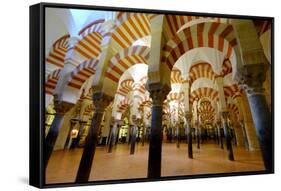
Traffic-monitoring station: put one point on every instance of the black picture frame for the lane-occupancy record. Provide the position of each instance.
(37, 93)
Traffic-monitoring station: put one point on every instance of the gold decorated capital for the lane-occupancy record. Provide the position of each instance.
(61, 107)
(158, 93)
(101, 101)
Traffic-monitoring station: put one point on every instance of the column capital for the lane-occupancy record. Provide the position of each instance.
(188, 115)
(101, 101)
(252, 78)
(158, 93)
(60, 106)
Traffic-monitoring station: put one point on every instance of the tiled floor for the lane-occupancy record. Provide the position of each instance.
(119, 164)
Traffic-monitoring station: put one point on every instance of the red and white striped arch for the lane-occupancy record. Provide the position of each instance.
(124, 105)
(206, 106)
(81, 73)
(125, 59)
(226, 67)
(125, 87)
(90, 45)
(57, 53)
(232, 91)
(139, 88)
(175, 22)
(201, 70)
(142, 88)
(133, 28)
(124, 16)
(199, 93)
(148, 115)
(145, 101)
(210, 34)
(175, 96)
(176, 77)
(231, 107)
(52, 81)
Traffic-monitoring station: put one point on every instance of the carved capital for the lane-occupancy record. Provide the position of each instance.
(101, 101)
(158, 93)
(252, 78)
(60, 106)
(188, 116)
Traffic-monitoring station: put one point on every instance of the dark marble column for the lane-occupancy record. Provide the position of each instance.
(188, 117)
(217, 135)
(254, 76)
(61, 108)
(198, 134)
(227, 135)
(101, 101)
(143, 135)
(117, 135)
(113, 135)
(133, 139)
(158, 93)
(220, 134)
(178, 135)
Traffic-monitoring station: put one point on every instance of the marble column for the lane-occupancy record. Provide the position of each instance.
(133, 139)
(224, 116)
(61, 107)
(178, 135)
(227, 135)
(254, 76)
(247, 123)
(113, 135)
(143, 135)
(198, 134)
(158, 93)
(188, 117)
(220, 132)
(101, 101)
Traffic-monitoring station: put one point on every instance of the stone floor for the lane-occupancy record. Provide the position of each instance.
(119, 164)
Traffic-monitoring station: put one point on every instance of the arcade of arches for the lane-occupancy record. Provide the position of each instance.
(133, 95)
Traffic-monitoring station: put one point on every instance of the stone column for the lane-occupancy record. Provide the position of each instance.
(197, 124)
(237, 130)
(61, 107)
(220, 133)
(113, 135)
(224, 116)
(247, 124)
(188, 117)
(253, 77)
(227, 135)
(101, 101)
(133, 139)
(143, 134)
(178, 134)
(158, 93)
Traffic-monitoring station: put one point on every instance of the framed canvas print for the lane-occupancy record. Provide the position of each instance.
(124, 95)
